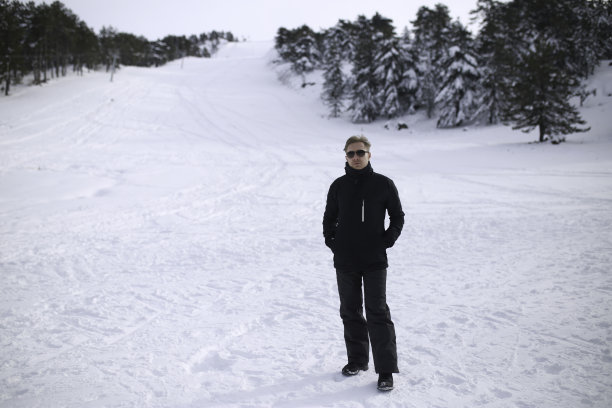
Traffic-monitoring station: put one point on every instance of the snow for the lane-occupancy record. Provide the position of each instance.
(162, 247)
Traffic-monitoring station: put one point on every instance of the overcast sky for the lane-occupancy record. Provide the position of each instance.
(253, 20)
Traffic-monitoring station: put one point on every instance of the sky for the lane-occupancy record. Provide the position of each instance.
(256, 20)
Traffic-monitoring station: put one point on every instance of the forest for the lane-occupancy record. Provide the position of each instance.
(46, 40)
(526, 67)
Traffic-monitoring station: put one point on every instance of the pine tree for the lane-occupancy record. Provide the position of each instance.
(542, 98)
(334, 85)
(86, 48)
(494, 58)
(457, 96)
(409, 84)
(540, 78)
(431, 31)
(299, 47)
(306, 52)
(389, 75)
(364, 105)
(587, 30)
(109, 46)
(10, 41)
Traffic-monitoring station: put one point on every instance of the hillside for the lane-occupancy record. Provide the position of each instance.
(162, 247)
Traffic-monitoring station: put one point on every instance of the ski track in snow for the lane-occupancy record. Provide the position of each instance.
(161, 247)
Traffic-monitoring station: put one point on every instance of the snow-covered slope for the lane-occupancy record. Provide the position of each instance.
(161, 247)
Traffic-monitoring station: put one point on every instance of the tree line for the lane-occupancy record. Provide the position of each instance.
(46, 40)
(523, 68)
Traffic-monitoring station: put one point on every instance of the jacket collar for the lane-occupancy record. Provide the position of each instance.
(366, 171)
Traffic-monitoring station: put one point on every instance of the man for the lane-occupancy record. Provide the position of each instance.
(354, 229)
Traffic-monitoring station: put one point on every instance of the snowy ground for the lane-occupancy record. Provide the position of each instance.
(161, 247)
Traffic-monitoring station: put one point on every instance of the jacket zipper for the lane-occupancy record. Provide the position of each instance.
(363, 210)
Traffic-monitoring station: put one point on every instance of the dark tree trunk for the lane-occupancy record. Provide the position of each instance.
(8, 78)
(542, 127)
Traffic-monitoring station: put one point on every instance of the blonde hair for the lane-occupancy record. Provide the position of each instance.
(358, 139)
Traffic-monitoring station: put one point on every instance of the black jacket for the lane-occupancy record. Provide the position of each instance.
(354, 219)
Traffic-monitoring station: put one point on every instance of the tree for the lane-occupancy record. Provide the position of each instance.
(61, 27)
(540, 75)
(365, 87)
(10, 40)
(36, 51)
(86, 48)
(306, 52)
(494, 57)
(535, 54)
(527, 62)
(334, 86)
(541, 98)
(457, 98)
(389, 75)
(364, 105)
(109, 47)
(431, 43)
(299, 47)
(132, 50)
(409, 84)
(586, 32)
(45, 39)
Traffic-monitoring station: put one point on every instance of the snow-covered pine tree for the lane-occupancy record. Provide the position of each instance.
(299, 47)
(456, 99)
(431, 43)
(283, 43)
(367, 35)
(541, 98)
(306, 53)
(602, 13)
(334, 86)
(586, 31)
(389, 75)
(541, 77)
(409, 84)
(364, 105)
(494, 57)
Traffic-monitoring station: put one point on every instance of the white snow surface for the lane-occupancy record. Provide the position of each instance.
(162, 247)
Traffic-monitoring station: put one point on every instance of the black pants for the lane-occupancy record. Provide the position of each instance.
(376, 326)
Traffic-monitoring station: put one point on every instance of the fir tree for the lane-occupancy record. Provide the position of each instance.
(540, 77)
(10, 41)
(588, 29)
(492, 48)
(457, 96)
(365, 86)
(409, 84)
(542, 98)
(299, 47)
(335, 83)
(431, 32)
(364, 105)
(306, 52)
(389, 75)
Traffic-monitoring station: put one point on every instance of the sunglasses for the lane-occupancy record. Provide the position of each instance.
(360, 153)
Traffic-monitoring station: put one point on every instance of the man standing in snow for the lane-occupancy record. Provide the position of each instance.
(354, 229)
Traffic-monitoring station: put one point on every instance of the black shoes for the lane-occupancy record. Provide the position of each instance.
(385, 382)
(354, 369)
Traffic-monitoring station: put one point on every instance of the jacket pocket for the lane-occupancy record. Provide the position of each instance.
(388, 240)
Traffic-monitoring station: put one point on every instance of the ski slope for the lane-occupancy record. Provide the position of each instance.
(161, 247)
